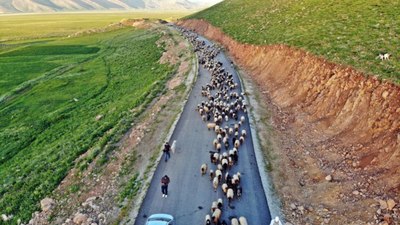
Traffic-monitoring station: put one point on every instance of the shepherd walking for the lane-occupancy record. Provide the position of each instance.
(167, 149)
(164, 186)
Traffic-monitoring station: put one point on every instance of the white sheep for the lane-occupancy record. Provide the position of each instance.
(224, 163)
(230, 131)
(203, 169)
(243, 220)
(244, 133)
(211, 126)
(219, 137)
(230, 195)
(216, 129)
(216, 216)
(219, 146)
(215, 183)
(224, 187)
(220, 203)
(237, 144)
(234, 221)
(218, 174)
(207, 220)
(242, 119)
(219, 166)
(215, 142)
(241, 139)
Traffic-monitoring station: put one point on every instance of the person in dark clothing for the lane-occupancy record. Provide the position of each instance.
(166, 151)
(164, 186)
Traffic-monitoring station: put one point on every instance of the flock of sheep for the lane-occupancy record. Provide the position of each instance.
(223, 105)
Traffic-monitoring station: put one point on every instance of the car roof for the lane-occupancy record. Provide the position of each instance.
(161, 215)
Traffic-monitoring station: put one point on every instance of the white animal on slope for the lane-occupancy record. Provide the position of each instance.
(242, 119)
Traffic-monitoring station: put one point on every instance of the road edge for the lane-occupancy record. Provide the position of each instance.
(274, 203)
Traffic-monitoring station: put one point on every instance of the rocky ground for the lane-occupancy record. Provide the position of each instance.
(313, 189)
(93, 196)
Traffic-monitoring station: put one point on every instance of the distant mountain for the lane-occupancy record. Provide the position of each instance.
(43, 6)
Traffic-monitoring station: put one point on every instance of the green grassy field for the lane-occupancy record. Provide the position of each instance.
(350, 32)
(26, 26)
(50, 94)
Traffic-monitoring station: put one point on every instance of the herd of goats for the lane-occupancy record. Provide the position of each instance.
(223, 105)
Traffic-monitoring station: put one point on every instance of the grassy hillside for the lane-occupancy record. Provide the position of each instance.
(51, 93)
(14, 27)
(351, 32)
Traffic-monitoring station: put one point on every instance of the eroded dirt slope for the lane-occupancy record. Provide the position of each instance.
(338, 133)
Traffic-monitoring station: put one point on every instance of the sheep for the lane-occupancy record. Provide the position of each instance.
(236, 127)
(236, 134)
(215, 183)
(215, 158)
(219, 166)
(230, 131)
(224, 187)
(211, 126)
(214, 206)
(234, 221)
(243, 220)
(216, 215)
(219, 137)
(203, 169)
(226, 118)
(216, 129)
(237, 144)
(242, 119)
(204, 118)
(220, 203)
(230, 195)
(215, 142)
(212, 174)
(244, 133)
(218, 175)
(219, 146)
(241, 139)
(207, 220)
(224, 163)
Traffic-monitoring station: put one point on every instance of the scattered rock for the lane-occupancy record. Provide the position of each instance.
(356, 192)
(80, 218)
(383, 204)
(328, 178)
(391, 204)
(47, 204)
(293, 206)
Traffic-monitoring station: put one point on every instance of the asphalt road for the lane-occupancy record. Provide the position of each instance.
(189, 194)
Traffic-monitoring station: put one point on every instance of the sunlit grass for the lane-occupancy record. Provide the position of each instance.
(350, 32)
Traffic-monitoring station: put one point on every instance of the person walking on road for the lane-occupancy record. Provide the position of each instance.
(164, 186)
(167, 149)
